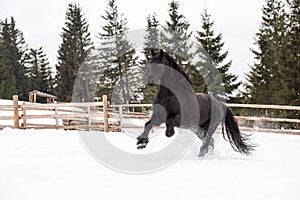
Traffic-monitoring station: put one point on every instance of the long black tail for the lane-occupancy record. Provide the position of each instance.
(239, 141)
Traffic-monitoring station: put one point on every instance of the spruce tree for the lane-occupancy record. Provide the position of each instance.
(13, 56)
(47, 84)
(175, 37)
(39, 71)
(75, 47)
(7, 77)
(151, 41)
(86, 80)
(212, 63)
(291, 74)
(118, 63)
(265, 77)
(152, 36)
(34, 75)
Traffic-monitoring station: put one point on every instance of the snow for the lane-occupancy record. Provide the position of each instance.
(53, 164)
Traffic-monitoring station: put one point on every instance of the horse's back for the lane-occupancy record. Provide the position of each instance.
(208, 100)
(203, 98)
(204, 102)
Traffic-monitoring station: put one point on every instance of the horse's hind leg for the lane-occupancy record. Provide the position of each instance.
(207, 141)
(211, 144)
(208, 144)
(205, 134)
(199, 131)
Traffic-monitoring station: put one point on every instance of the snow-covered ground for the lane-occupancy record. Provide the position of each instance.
(51, 164)
(54, 164)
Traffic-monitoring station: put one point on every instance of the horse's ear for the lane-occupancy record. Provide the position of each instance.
(152, 53)
(161, 53)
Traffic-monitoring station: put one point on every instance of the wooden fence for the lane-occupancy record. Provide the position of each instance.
(80, 116)
(101, 115)
(134, 114)
(269, 119)
(7, 117)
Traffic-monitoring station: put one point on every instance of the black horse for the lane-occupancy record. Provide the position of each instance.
(177, 105)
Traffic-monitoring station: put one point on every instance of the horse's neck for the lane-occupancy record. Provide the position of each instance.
(164, 91)
(175, 82)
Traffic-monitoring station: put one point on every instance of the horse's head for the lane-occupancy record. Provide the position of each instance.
(157, 67)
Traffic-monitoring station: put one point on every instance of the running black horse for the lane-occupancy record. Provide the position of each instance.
(177, 105)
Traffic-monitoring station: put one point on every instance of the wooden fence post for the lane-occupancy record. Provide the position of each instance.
(89, 123)
(105, 113)
(16, 111)
(56, 114)
(34, 98)
(24, 116)
(121, 116)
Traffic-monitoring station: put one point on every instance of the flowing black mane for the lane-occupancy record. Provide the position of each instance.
(175, 66)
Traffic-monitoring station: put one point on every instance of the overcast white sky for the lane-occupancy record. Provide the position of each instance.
(42, 21)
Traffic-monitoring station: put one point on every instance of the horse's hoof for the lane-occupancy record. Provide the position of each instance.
(203, 152)
(170, 133)
(206, 152)
(201, 155)
(142, 142)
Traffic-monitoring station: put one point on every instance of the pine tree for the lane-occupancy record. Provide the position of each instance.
(291, 74)
(39, 71)
(13, 55)
(47, 84)
(212, 63)
(75, 47)
(34, 75)
(175, 37)
(152, 36)
(266, 78)
(7, 77)
(152, 41)
(118, 63)
(86, 80)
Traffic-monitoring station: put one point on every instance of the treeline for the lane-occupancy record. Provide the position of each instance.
(21, 68)
(85, 70)
(275, 76)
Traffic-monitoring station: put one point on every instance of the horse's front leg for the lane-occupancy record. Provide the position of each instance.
(170, 123)
(143, 139)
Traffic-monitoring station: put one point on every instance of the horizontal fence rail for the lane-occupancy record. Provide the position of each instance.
(276, 107)
(232, 105)
(80, 116)
(75, 105)
(100, 115)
